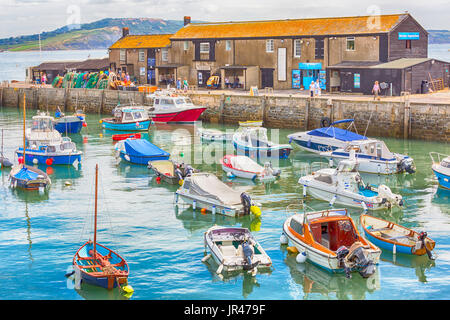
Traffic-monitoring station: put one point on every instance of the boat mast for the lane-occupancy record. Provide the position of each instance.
(24, 117)
(95, 219)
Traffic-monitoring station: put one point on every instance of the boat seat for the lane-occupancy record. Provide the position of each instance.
(379, 229)
(228, 251)
(395, 238)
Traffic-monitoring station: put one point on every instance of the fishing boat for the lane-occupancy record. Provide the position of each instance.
(245, 167)
(235, 249)
(253, 141)
(376, 155)
(326, 138)
(98, 265)
(441, 168)
(250, 123)
(205, 191)
(69, 124)
(4, 162)
(139, 151)
(45, 145)
(128, 118)
(170, 171)
(330, 240)
(118, 137)
(171, 107)
(394, 237)
(214, 135)
(26, 177)
(345, 186)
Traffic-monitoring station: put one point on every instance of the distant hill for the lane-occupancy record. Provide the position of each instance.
(438, 36)
(103, 33)
(96, 35)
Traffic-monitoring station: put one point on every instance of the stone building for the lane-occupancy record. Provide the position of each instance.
(285, 54)
(143, 57)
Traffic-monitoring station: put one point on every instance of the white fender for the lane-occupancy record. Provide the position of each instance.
(284, 239)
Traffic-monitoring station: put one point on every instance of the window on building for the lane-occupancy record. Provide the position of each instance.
(228, 45)
(297, 48)
(165, 54)
(350, 43)
(269, 45)
(186, 45)
(123, 54)
(408, 44)
(204, 47)
(141, 55)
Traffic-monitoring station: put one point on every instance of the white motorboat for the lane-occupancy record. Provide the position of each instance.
(235, 249)
(441, 168)
(245, 167)
(214, 135)
(330, 239)
(326, 138)
(254, 141)
(344, 185)
(205, 191)
(373, 156)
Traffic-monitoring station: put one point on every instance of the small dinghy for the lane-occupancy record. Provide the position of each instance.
(441, 168)
(214, 135)
(69, 124)
(205, 191)
(345, 186)
(118, 137)
(391, 236)
(170, 171)
(249, 123)
(98, 265)
(235, 249)
(245, 167)
(330, 239)
(29, 178)
(140, 151)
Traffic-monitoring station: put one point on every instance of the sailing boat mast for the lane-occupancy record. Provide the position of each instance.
(95, 219)
(24, 117)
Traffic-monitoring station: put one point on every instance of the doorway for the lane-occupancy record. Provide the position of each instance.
(267, 77)
(202, 77)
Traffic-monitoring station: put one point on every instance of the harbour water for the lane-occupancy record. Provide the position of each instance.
(163, 244)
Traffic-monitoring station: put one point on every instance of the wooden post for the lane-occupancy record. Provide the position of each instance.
(406, 117)
(307, 105)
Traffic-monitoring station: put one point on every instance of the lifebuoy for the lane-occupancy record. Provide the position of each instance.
(325, 122)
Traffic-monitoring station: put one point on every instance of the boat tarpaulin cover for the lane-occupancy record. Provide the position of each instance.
(246, 164)
(26, 174)
(208, 185)
(143, 148)
(338, 133)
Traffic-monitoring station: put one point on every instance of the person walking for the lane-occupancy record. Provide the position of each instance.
(317, 90)
(311, 89)
(179, 84)
(376, 91)
(185, 85)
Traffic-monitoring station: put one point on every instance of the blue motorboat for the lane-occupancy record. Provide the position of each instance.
(44, 145)
(326, 138)
(140, 151)
(69, 124)
(441, 168)
(129, 118)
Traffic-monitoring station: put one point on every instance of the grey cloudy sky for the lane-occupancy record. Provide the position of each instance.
(20, 17)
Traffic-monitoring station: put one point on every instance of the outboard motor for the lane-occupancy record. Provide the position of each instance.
(365, 266)
(422, 237)
(188, 170)
(248, 255)
(246, 202)
(178, 173)
(406, 165)
(341, 253)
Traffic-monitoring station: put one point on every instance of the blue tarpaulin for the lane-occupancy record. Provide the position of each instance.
(338, 133)
(143, 148)
(26, 174)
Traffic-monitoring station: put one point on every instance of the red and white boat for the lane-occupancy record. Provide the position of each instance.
(170, 107)
(245, 167)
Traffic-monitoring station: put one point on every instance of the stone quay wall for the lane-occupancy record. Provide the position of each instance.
(398, 119)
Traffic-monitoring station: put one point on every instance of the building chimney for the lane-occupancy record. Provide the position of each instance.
(187, 20)
(125, 32)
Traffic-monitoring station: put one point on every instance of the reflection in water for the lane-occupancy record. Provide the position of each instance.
(314, 279)
(419, 263)
(91, 292)
(442, 199)
(29, 234)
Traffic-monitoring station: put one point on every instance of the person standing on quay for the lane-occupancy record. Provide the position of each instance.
(376, 90)
(311, 89)
(185, 85)
(317, 90)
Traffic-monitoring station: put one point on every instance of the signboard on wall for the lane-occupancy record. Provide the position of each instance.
(281, 64)
(357, 80)
(408, 36)
(296, 79)
(142, 71)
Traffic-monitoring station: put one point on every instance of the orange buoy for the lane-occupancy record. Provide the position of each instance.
(203, 211)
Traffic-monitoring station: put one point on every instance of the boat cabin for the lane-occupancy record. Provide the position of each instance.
(446, 163)
(345, 175)
(330, 229)
(129, 115)
(171, 102)
(43, 123)
(375, 149)
(255, 137)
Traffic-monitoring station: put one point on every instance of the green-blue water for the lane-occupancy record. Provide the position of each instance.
(39, 235)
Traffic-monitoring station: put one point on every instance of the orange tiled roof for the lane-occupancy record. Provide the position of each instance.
(142, 41)
(286, 28)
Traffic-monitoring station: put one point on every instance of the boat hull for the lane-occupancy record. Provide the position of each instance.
(280, 153)
(183, 116)
(69, 127)
(132, 126)
(240, 173)
(317, 146)
(209, 205)
(57, 159)
(443, 180)
(371, 166)
(142, 160)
